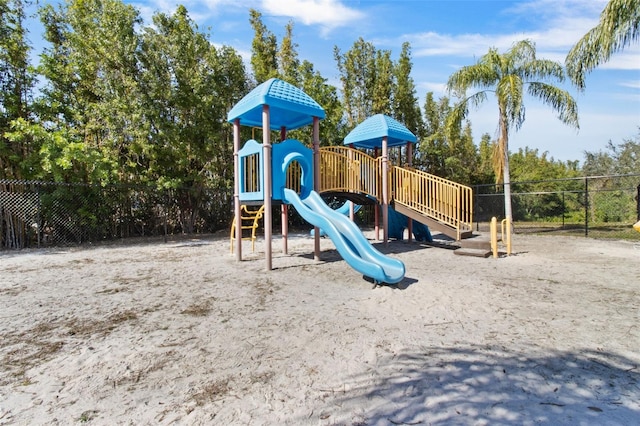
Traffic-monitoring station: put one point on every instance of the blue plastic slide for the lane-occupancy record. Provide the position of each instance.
(344, 209)
(352, 245)
(399, 222)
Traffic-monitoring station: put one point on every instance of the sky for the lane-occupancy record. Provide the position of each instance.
(444, 36)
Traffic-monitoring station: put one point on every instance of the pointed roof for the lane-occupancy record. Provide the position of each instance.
(370, 132)
(289, 106)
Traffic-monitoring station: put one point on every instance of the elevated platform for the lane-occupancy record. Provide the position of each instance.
(360, 198)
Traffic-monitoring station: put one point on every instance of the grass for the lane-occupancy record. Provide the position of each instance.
(614, 231)
(608, 231)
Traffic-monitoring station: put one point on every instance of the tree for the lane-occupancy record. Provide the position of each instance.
(619, 25)
(433, 147)
(506, 76)
(264, 49)
(332, 129)
(188, 87)
(485, 173)
(288, 58)
(613, 198)
(17, 80)
(383, 90)
(536, 175)
(91, 95)
(405, 102)
(449, 153)
(357, 75)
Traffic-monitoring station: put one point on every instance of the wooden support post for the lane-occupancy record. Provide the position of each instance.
(268, 182)
(284, 208)
(236, 187)
(316, 180)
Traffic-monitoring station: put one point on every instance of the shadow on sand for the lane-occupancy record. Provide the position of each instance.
(489, 386)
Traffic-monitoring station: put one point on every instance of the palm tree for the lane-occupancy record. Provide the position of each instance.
(506, 75)
(619, 25)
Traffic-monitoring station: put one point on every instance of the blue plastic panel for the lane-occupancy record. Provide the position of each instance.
(289, 106)
(370, 132)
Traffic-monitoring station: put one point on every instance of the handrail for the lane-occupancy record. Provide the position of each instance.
(345, 169)
(441, 199)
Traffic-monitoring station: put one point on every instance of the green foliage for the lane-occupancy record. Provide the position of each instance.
(406, 108)
(485, 173)
(264, 49)
(623, 160)
(620, 159)
(613, 206)
(357, 69)
(270, 61)
(187, 88)
(288, 58)
(332, 129)
(538, 175)
(506, 75)
(618, 27)
(372, 83)
(91, 97)
(17, 80)
(444, 152)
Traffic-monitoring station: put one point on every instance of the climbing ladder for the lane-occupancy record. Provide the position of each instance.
(249, 222)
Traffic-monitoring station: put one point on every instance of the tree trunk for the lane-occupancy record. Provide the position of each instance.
(507, 188)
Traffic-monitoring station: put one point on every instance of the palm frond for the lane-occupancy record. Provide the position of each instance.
(510, 95)
(542, 69)
(619, 25)
(560, 100)
(480, 75)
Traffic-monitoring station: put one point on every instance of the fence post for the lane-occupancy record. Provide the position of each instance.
(564, 209)
(638, 202)
(166, 213)
(586, 206)
(39, 215)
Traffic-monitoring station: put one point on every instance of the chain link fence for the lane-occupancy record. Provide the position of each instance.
(41, 214)
(596, 206)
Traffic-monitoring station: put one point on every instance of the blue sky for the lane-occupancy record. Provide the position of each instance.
(445, 35)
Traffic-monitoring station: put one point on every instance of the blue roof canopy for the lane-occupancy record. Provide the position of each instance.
(370, 132)
(289, 106)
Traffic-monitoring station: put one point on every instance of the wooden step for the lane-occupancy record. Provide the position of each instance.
(475, 252)
(477, 241)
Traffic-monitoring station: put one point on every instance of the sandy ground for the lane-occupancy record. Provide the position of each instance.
(181, 333)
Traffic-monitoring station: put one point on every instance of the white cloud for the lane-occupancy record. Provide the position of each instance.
(556, 26)
(328, 14)
(634, 84)
(438, 88)
(627, 59)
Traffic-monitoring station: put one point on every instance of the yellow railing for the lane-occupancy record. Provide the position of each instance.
(446, 201)
(251, 167)
(344, 169)
(294, 177)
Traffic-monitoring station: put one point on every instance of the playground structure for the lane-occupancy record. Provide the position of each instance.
(290, 173)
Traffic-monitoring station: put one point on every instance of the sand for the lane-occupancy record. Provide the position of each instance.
(180, 333)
